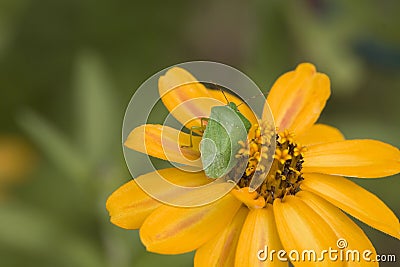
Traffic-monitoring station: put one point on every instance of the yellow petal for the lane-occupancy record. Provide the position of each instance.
(354, 200)
(298, 97)
(165, 143)
(129, 205)
(258, 237)
(220, 251)
(173, 230)
(300, 228)
(185, 98)
(355, 158)
(251, 199)
(319, 133)
(188, 100)
(351, 236)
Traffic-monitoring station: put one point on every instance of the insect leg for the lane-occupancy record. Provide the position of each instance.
(193, 128)
(202, 120)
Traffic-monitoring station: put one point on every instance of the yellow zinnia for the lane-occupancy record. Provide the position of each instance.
(298, 206)
(18, 159)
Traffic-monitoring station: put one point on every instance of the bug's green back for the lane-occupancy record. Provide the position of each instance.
(225, 128)
(245, 121)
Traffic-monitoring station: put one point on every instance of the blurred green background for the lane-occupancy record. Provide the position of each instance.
(68, 69)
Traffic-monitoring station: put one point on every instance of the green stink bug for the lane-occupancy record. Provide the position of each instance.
(225, 128)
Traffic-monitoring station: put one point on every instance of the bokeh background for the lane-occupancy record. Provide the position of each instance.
(68, 69)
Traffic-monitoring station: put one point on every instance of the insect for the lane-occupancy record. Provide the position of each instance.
(225, 127)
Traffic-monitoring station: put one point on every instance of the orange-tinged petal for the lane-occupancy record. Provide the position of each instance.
(258, 237)
(345, 228)
(188, 100)
(243, 107)
(191, 197)
(301, 229)
(319, 133)
(298, 97)
(251, 199)
(177, 86)
(354, 200)
(355, 158)
(185, 98)
(165, 143)
(220, 251)
(174, 230)
(129, 205)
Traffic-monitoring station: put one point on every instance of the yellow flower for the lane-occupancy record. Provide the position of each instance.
(298, 207)
(17, 160)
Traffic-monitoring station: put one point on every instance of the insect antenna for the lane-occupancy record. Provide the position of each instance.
(222, 91)
(216, 86)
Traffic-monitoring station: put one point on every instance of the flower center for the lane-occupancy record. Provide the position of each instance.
(284, 176)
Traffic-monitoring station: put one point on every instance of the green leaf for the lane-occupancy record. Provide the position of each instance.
(96, 107)
(28, 230)
(54, 144)
(151, 259)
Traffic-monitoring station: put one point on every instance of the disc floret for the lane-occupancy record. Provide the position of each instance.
(284, 176)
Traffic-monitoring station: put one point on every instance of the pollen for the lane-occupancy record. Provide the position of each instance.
(284, 176)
